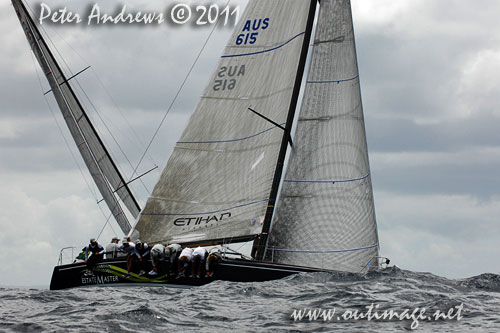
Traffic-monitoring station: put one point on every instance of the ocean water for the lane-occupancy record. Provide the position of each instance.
(299, 303)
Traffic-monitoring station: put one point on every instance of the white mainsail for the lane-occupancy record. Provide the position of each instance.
(325, 216)
(102, 168)
(217, 183)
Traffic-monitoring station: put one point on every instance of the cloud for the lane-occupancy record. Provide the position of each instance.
(33, 229)
(429, 74)
(449, 235)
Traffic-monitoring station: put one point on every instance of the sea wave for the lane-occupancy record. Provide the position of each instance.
(224, 306)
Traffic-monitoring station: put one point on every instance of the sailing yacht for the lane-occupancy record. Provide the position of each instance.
(226, 180)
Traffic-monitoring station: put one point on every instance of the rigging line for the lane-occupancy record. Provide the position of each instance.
(131, 128)
(68, 68)
(91, 189)
(111, 134)
(68, 79)
(103, 86)
(43, 55)
(104, 226)
(39, 80)
(178, 92)
(132, 180)
(231, 140)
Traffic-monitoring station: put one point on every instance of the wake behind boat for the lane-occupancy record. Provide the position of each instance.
(226, 180)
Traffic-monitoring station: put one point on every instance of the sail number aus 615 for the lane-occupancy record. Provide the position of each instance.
(250, 31)
(227, 76)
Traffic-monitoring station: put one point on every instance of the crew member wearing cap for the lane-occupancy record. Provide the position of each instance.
(94, 253)
(132, 254)
(112, 248)
(143, 250)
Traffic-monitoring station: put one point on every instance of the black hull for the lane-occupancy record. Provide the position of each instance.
(113, 273)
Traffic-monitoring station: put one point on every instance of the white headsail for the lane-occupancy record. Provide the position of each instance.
(325, 216)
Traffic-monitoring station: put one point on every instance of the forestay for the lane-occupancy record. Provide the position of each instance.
(95, 155)
(217, 182)
(325, 215)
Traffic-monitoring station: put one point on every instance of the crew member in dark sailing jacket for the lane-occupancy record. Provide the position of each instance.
(143, 250)
(94, 253)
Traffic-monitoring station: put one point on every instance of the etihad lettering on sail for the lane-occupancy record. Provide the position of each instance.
(186, 221)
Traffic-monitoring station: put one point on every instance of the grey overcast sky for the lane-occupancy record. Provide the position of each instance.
(430, 79)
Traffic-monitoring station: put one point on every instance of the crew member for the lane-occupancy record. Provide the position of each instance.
(184, 261)
(94, 253)
(112, 248)
(157, 258)
(172, 253)
(132, 254)
(212, 260)
(198, 259)
(143, 250)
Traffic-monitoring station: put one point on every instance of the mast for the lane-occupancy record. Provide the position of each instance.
(258, 250)
(103, 169)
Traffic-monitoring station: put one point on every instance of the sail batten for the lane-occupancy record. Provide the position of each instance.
(100, 164)
(325, 216)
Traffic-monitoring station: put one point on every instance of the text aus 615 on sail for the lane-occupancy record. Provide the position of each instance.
(227, 75)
